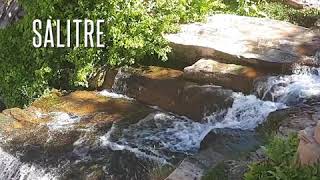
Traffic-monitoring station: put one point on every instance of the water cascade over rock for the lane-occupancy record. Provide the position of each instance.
(290, 89)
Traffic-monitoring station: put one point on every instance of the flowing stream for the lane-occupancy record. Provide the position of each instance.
(12, 168)
(165, 131)
(164, 138)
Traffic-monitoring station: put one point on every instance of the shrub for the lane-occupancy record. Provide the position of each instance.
(133, 30)
(273, 9)
(281, 163)
(280, 11)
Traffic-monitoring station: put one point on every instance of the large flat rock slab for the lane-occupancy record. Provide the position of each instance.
(259, 42)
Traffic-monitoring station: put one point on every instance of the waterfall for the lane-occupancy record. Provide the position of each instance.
(106, 141)
(11, 168)
(292, 89)
(246, 113)
(161, 131)
(162, 136)
(114, 95)
(165, 131)
(62, 121)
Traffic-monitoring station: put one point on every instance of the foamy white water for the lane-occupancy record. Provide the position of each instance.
(107, 142)
(62, 121)
(110, 94)
(167, 131)
(162, 131)
(246, 113)
(291, 89)
(11, 168)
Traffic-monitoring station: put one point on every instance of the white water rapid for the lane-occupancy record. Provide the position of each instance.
(162, 131)
(11, 168)
(160, 136)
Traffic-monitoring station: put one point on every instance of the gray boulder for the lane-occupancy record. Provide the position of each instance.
(258, 42)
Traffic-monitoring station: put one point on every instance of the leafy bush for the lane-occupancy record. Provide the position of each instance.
(281, 163)
(244, 7)
(133, 30)
(133, 33)
(280, 11)
(273, 9)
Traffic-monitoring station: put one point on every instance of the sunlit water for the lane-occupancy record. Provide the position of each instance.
(161, 135)
(62, 121)
(11, 168)
(290, 89)
(114, 95)
(163, 131)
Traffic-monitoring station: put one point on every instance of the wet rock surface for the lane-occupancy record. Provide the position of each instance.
(232, 141)
(235, 169)
(166, 89)
(219, 148)
(193, 168)
(86, 135)
(294, 119)
(58, 136)
(229, 38)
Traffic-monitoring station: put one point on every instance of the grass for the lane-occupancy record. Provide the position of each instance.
(282, 162)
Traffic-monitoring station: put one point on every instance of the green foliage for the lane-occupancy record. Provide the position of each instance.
(249, 7)
(243, 7)
(133, 30)
(281, 163)
(217, 173)
(273, 9)
(277, 10)
(132, 33)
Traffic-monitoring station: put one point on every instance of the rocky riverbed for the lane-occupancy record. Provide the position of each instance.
(153, 122)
